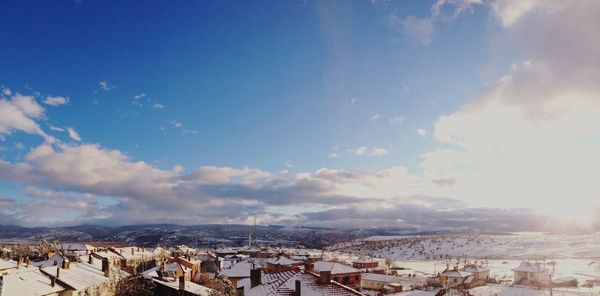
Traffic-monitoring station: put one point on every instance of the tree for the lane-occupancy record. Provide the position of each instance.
(220, 285)
(388, 263)
(21, 251)
(45, 247)
(133, 286)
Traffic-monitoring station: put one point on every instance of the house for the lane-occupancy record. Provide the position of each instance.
(381, 282)
(135, 259)
(531, 274)
(193, 265)
(365, 263)
(341, 273)
(31, 282)
(281, 264)
(292, 282)
(368, 265)
(173, 279)
(240, 271)
(455, 278)
(479, 278)
(93, 279)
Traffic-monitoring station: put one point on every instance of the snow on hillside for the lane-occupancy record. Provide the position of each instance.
(475, 246)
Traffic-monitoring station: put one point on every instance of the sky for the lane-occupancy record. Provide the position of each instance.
(442, 114)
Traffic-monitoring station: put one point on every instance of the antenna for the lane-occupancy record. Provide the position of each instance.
(252, 230)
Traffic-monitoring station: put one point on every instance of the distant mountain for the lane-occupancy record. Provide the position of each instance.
(210, 235)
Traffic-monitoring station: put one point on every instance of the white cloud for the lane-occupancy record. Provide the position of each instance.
(73, 134)
(375, 117)
(21, 113)
(157, 106)
(139, 96)
(354, 100)
(414, 27)
(105, 86)
(532, 138)
(369, 151)
(56, 129)
(333, 155)
(397, 120)
(422, 132)
(6, 91)
(183, 129)
(55, 101)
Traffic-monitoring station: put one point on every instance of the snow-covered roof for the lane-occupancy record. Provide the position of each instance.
(240, 269)
(474, 269)
(134, 253)
(31, 282)
(75, 246)
(380, 278)
(109, 255)
(456, 273)
(284, 283)
(190, 287)
(281, 261)
(365, 260)
(4, 264)
(83, 275)
(530, 267)
(334, 267)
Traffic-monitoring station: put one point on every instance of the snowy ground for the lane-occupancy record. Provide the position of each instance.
(567, 255)
(517, 246)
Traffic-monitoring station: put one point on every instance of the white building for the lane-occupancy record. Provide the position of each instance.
(531, 274)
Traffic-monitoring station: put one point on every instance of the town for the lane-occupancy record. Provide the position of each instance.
(106, 269)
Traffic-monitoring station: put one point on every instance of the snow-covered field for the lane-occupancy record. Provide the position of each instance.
(517, 246)
(567, 255)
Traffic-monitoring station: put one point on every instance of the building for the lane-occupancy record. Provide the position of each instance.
(94, 279)
(479, 277)
(135, 259)
(531, 274)
(281, 264)
(455, 278)
(173, 279)
(31, 282)
(240, 271)
(341, 273)
(380, 282)
(292, 283)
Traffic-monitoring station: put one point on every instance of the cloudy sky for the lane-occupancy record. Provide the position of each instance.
(440, 114)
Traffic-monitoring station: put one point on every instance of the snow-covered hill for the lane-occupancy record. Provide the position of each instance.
(476, 246)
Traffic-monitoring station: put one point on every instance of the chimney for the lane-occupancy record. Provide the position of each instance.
(105, 267)
(58, 272)
(90, 259)
(298, 290)
(325, 277)
(255, 277)
(52, 281)
(66, 264)
(182, 282)
(132, 251)
(19, 263)
(27, 262)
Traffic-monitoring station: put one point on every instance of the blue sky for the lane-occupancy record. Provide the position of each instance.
(284, 87)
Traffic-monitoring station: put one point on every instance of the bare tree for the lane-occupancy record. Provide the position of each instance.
(133, 286)
(21, 251)
(220, 285)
